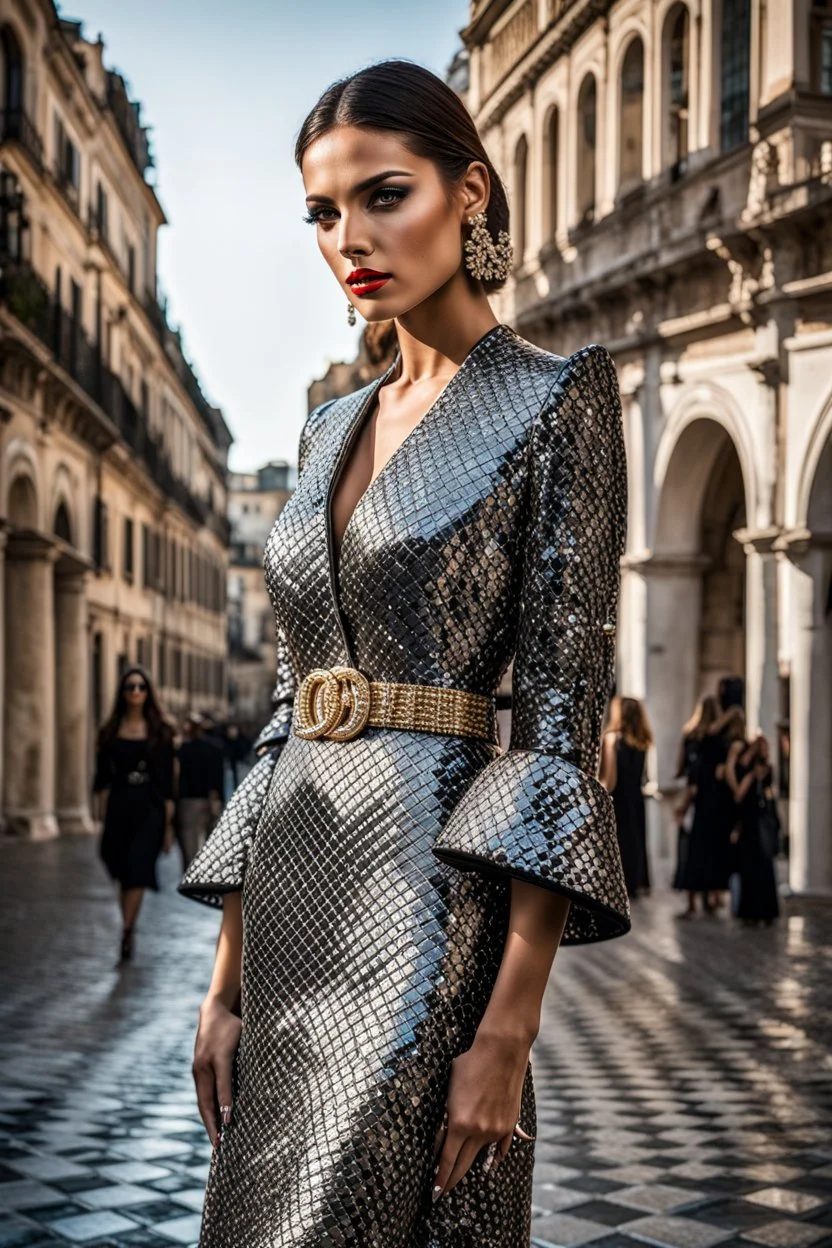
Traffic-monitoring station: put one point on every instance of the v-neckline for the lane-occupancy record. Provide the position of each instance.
(349, 439)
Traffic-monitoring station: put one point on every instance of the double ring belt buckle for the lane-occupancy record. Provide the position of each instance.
(334, 703)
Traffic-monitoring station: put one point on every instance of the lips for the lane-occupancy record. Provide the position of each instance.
(367, 281)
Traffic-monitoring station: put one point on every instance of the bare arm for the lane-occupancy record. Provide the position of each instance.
(219, 1029)
(608, 774)
(487, 1081)
(738, 787)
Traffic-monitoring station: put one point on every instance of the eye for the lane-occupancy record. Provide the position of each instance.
(316, 215)
(389, 196)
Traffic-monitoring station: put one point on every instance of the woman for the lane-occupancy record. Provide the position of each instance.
(708, 863)
(749, 775)
(623, 767)
(690, 751)
(134, 784)
(405, 884)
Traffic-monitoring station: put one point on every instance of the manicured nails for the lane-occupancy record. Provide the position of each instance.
(437, 1192)
(225, 1114)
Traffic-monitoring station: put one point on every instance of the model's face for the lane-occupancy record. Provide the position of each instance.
(135, 690)
(388, 226)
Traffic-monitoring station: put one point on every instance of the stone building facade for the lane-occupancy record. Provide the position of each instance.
(255, 500)
(112, 462)
(669, 166)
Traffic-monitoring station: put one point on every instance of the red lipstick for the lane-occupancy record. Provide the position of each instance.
(367, 281)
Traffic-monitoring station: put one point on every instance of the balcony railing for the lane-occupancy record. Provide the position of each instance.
(17, 127)
(28, 299)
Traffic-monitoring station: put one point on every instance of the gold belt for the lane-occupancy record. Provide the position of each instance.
(340, 702)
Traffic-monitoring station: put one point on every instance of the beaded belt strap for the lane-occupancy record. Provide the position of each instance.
(338, 703)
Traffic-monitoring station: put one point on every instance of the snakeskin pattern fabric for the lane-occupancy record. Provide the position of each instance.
(376, 872)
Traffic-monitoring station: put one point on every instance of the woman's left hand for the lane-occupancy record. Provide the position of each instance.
(483, 1105)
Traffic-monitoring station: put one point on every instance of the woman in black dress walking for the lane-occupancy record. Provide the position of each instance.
(623, 767)
(749, 775)
(134, 784)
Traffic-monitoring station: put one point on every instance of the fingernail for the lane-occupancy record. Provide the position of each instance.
(226, 1115)
(437, 1192)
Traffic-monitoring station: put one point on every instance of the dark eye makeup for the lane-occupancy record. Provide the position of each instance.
(384, 197)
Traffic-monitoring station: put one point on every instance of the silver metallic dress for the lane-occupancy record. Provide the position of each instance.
(376, 872)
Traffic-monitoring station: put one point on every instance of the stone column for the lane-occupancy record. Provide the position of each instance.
(72, 688)
(29, 728)
(761, 667)
(810, 789)
(673, 585)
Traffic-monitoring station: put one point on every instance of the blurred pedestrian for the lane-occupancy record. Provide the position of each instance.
(749, 775)
(707, 865)
(200, 790)
(690, 748)
(623, 769)
(134, 783)
(237, 748)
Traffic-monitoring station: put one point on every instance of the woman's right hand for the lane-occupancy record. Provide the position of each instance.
(217, 1039)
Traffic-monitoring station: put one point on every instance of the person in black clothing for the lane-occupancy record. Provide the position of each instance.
(237, 747)
(749, 775)
(623, 767)
(201, 766)
(134, 779)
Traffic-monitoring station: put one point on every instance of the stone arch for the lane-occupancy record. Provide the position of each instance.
(20, 462)
(520, 198)
(586, 120)
(630, 112)
(551, 171)
(704, 404)
(695, 578)
(676, 65)
(64, 512)
(816, 469)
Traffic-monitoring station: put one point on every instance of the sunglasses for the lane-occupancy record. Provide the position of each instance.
(135, 686)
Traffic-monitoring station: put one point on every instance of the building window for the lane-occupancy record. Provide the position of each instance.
(163, 663)
(676, 62)
(100, 535)
(147, 555)
(67, 160)
(587, 118)
(820, 45)
(521, 199)
(631, 117)
(128, 549)
(736, 48)
(13, 72)
(131, 268)
(102, 212)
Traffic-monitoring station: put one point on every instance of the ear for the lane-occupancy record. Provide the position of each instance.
(474, 189)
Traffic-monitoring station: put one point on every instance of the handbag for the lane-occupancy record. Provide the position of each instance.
(768, 823)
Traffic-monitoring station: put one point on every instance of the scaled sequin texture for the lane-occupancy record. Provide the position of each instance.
(376, 872)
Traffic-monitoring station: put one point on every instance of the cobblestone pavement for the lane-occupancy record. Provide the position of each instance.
(684, 1074)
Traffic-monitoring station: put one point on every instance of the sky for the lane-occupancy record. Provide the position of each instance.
(225, 89)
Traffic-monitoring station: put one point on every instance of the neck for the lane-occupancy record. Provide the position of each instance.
(134, 715)
(436, 336)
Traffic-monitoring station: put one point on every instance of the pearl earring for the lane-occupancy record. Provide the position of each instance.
(485, 259)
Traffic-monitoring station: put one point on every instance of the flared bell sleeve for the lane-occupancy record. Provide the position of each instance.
(537, 811)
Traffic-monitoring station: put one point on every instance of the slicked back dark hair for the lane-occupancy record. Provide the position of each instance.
(429, 117)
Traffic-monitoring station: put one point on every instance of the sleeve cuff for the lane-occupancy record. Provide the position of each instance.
(538, 818)
(277, 729)
(220, 865)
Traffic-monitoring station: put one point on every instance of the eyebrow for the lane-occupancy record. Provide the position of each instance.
(365, 185)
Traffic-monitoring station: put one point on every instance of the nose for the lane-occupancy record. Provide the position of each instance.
(349, 244)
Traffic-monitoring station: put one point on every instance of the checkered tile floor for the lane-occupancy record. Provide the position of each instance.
(684, 1076)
